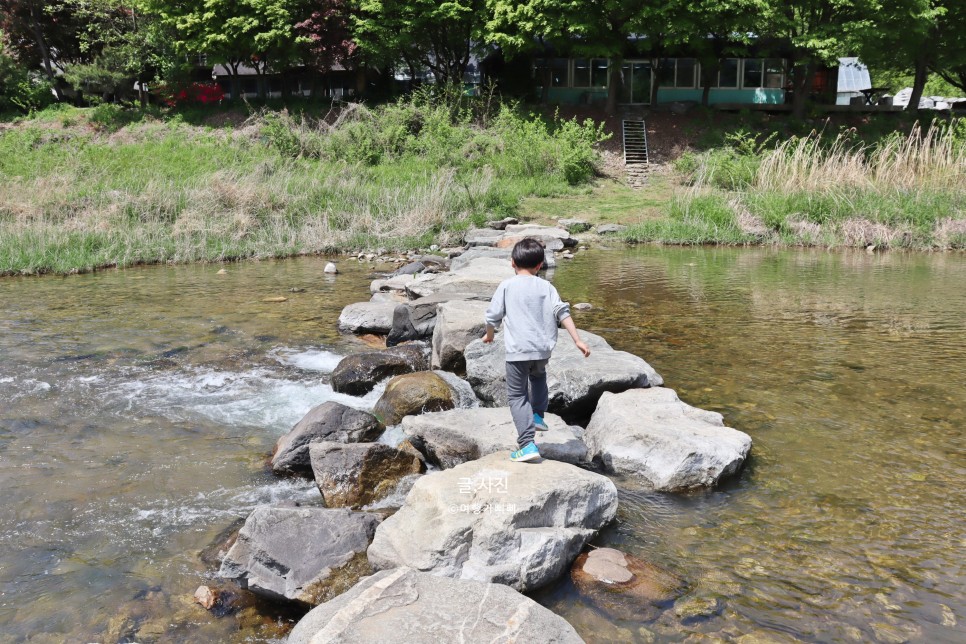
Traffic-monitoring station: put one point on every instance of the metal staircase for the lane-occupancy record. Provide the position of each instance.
(636, 160)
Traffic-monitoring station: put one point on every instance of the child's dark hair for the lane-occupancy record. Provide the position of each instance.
(528, 253)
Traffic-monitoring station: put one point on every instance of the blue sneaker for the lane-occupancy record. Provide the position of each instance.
(528, 453)
(539, 423)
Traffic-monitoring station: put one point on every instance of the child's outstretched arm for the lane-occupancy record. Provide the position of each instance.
(495, 312)
(568, 323)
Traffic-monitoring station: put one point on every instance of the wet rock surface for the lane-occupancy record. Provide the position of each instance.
(448, 438)
(519, 524)
(330, 421)
(359, 373)
(405, 605)
(414, 393)
(651, 435)
(358, 474)
(575, 383)
(367, 317)
(625, 586)
(299, 553)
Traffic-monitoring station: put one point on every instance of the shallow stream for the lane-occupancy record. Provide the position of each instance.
(137, 409)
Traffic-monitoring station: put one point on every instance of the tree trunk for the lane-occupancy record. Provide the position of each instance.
(919, 84)
(615, 85)
(44, 52)
(804, 72)
(708, 72)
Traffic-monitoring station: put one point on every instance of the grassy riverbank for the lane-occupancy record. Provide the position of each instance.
(82, 189)
(902, 191)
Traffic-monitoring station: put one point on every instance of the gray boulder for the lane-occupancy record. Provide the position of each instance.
(519, 524)
(575, 382)
(405, 605)
(303, 554)
(461, 261)
(358, 474)
(500, 224)
(367, 317)
(479, 277)
(553, 237)
(482, 237)
(458, 323)
(359, 373)
(416, 319)
(651, 435)
(410, 269)
(574, 225)
(330, 421)
(610, 229)
(448, 438)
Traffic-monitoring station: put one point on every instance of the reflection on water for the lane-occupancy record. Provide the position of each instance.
(849, 522)
(137, 408)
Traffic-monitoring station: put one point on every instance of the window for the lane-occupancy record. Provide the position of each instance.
(665, 72)
(728, 75)
(774, 72)
(558, 71)
(581, 72)
(752, 76)
(685, 74)
(598, 72)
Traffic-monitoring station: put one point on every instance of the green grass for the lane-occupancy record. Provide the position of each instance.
(82, 189)
(605, 202)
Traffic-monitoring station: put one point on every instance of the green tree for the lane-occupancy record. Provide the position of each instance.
(817, 32)
(259, 33)
(422, 34)
(601, 28)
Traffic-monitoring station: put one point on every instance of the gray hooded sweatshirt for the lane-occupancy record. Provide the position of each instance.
(531, 310)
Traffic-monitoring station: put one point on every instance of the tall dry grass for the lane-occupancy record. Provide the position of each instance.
(934, 159)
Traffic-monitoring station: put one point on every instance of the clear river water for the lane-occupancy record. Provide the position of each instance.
(137, 409)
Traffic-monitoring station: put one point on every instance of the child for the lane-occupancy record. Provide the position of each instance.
(531, 310)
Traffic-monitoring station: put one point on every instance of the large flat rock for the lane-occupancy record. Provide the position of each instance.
(479, 277)
(461, 261)
(651, 435)
(519, 524)
(406, 606)
(299, 553)
(575, 383)
(448, 438)
(367, 317)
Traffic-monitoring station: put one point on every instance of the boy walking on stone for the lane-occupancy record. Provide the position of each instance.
(530, 309)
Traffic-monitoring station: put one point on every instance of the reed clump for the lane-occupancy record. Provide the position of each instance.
(904, 191)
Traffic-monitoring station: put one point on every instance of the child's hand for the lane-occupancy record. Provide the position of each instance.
(584, 349)
(488, 336)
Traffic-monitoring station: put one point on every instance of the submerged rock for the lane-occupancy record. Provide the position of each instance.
(519, 524)
(359, 373)
(448, 438)
(367, 317)
(653, 436)
(624, 586)
(575, 382)
(405, 605)
(330, 421)
(300, 554)
(414, 393)
(330, 268)
(357, 474)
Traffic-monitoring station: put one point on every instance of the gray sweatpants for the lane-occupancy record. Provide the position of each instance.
(526, 392)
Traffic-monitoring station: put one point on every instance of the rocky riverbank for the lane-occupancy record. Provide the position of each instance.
(420, 490)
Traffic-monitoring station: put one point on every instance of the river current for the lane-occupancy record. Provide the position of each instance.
(137, 409)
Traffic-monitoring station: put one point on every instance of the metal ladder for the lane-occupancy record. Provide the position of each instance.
(635, 143)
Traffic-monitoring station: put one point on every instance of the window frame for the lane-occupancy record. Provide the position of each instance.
(694, 74)
(738, 73)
